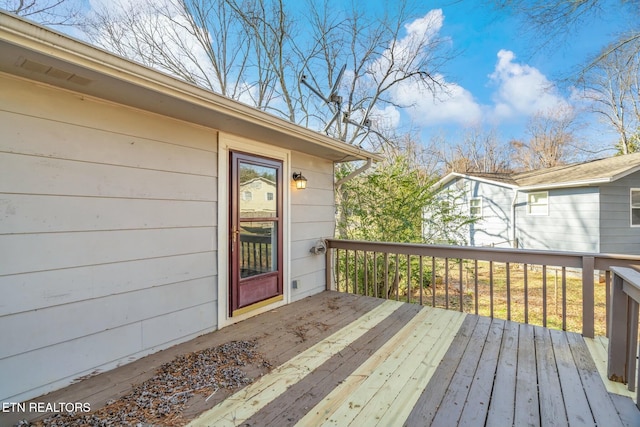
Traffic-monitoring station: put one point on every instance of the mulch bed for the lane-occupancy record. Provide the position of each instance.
(164, 398)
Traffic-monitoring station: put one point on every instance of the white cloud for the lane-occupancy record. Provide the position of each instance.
(522, 90)
(387, 118)
(420, 33)
(450, 104)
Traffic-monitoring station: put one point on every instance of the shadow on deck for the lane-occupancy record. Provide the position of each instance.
(341, 359)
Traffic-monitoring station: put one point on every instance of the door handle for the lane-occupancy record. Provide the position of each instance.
(234, 234)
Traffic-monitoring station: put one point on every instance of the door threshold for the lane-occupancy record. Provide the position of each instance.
(257, 305)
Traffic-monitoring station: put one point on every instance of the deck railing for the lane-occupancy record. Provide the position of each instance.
(623, 341)
(564, 290)
(256, 254)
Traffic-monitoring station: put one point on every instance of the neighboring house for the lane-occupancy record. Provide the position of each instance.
(586, 207)
(258, 195)
(122, 210)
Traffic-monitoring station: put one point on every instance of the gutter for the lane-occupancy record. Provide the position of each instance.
(355, 173)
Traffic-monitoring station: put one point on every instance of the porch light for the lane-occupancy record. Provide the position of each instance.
(301, 181)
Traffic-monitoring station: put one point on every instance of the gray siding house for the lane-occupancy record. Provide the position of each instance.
(587, 207)
(125, 209)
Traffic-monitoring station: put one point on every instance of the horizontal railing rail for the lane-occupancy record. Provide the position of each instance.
(623, 340)
(515, 284)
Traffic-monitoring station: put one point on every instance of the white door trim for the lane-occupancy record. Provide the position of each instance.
(227, 143)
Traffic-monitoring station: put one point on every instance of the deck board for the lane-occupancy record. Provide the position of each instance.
(409, 371)
(527, 409)
(358, 394)
(476, 407)
(426, 367)
(429, 401)
(501, 409)
(552, 410)
(234, 409)
(455, 397)
(575, 400)
(290, 406)
(600, 402)
(345, 360)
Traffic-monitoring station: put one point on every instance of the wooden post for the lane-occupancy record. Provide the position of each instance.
(328, 269)
(588, 300)
(617, 333)
(632, 343)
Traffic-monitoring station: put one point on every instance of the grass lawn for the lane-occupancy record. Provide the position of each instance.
(559, 298)
(554, 295)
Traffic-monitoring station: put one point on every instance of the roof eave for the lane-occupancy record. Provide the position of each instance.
(453, 175)
(572, 184)
(106, 76)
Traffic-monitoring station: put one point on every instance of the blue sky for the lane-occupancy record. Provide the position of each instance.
(498, 65)
(498, 79)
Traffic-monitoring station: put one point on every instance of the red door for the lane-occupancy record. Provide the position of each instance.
(255, 230)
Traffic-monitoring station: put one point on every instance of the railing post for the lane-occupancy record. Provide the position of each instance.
(632, 343)
(588, 302)
(328, 270)
(617, 333)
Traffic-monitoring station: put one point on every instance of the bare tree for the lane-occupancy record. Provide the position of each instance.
(380, 54)
(550, 22)
(174, 36)
(613, 87)
(46, 12)
(551, 141)
(252, 50)
(480, 151)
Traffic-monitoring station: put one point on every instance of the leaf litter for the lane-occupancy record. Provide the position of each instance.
(161, 399)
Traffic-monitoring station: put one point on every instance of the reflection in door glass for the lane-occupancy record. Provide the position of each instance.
(258, 248)
(257, 191)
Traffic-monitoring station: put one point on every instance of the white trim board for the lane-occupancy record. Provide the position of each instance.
(227, 143)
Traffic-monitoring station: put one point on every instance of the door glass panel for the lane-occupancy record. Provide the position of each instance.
(258, 248)
(257, 191)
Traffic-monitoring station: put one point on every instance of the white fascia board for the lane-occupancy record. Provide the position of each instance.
(573, 184)
(453, 175)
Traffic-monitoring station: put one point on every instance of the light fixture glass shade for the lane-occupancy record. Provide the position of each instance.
(301, 181)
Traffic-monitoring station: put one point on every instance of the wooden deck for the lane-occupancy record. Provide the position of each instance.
(343, 360)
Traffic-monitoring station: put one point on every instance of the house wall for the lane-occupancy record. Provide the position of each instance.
(312, 218)
(493, 228)
(107, 235)
(571, 225)
(616, 234)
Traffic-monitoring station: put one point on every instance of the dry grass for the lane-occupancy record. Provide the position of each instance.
(509, 300)
(556, 299)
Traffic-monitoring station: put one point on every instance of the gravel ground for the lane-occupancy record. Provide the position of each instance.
(161, 399)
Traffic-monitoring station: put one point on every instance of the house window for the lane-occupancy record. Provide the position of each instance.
(247, 195)
(635, 207)
(475, 207)
(269, 196)
(538, 203)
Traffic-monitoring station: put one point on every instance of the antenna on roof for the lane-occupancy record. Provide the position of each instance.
(334, 101)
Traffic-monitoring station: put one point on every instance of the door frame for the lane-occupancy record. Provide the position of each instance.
(226, 144)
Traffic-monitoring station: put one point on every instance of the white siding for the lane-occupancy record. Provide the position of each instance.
(107, 235)
(571, 225)
(312, 218)
(493, 228)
